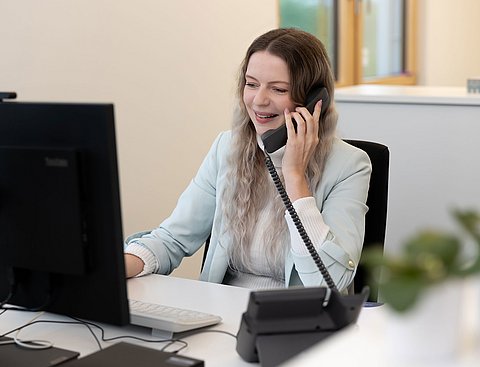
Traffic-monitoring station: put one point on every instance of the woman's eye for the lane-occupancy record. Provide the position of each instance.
(280, 90)
(250, 85)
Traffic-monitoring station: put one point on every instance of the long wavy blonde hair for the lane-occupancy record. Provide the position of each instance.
(250, 188)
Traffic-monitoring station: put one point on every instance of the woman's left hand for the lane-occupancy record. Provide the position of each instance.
(300, 147)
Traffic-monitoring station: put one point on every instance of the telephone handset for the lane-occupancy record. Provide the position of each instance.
(276, 138)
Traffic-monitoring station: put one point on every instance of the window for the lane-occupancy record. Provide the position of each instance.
(316, 17)
(368, 41)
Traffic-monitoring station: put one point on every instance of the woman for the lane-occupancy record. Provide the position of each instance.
(232, 199)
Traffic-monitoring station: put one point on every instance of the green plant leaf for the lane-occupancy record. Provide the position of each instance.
(401, 293)
(470, 221)
(433, 244)
(428, 258)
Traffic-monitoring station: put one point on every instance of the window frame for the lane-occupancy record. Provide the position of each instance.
(349, 38)
(350, 31)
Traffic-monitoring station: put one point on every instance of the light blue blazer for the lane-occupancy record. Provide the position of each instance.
(340, 197)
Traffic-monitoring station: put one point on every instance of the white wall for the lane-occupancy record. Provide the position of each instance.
(169, 67)
(432, 134)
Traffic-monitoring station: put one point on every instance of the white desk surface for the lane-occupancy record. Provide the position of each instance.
(360, 345)
(217, 349)
(367, 345)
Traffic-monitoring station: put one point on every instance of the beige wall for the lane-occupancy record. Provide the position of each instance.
(169, 67)
(449, 42)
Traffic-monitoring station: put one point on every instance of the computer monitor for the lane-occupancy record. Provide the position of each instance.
(60, 220)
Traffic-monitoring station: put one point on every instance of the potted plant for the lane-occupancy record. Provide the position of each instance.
(428, 258)
(423, 285)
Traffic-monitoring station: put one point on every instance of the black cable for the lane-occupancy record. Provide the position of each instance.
(185, 345)
(36, 322)
(298, 224)
(77, 321)
(91, 332)
(103, 338)
(200, 331)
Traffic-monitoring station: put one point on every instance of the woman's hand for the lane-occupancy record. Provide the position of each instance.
(300, 147)
(133, 265)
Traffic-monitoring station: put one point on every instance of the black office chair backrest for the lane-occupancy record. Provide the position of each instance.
(376, 217)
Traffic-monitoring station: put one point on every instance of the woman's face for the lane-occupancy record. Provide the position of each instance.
(267, 91)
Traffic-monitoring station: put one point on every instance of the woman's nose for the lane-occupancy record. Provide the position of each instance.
(261, 97)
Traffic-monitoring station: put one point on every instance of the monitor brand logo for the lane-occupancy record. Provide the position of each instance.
(56, 162)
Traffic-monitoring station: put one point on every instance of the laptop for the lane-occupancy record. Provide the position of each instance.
(131, 355)
(12, 355)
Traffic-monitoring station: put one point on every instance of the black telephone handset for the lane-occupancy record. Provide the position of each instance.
(276, 138)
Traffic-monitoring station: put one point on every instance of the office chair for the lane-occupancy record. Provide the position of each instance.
(376, 217)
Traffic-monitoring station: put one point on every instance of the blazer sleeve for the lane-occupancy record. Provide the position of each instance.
(341, 202)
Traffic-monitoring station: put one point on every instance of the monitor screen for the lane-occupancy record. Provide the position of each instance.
(60, 218)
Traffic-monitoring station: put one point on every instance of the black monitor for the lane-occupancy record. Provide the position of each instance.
(60, 220)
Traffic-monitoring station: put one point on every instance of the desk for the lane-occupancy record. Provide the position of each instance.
(362, 344)
(383, 338)
(215, 348)
(367, 346)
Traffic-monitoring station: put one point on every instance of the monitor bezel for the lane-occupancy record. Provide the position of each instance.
(100, 294)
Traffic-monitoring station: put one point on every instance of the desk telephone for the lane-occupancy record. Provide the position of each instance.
(276, 138)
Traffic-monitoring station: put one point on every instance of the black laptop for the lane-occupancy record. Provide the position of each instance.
(128, 355)
(12, 355)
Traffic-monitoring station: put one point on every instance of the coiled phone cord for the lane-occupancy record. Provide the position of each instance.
(298, 224)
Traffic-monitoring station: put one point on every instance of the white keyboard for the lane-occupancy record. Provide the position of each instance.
(168, 318)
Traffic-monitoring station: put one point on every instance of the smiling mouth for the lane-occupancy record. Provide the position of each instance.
(265, 116)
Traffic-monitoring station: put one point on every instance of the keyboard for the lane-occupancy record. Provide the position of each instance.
(168, 318)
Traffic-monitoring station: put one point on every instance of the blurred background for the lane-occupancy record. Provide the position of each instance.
(170, 68)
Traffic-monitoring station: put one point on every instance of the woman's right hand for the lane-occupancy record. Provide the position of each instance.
(133, 265)
(301, 145)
